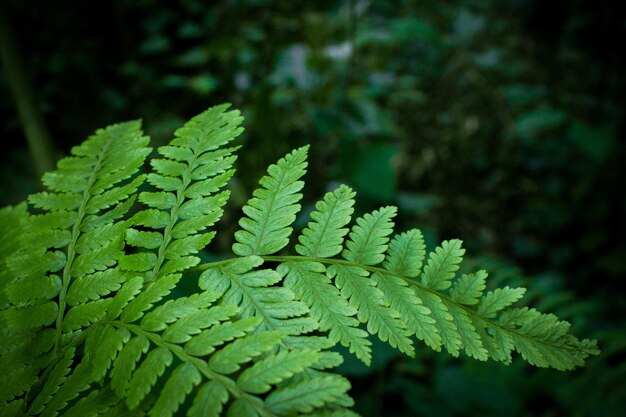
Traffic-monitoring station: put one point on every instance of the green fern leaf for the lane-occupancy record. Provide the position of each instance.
(204, 344)
(274, 369)
(323, 236)
(175, 390)
(369, 237)
(469, 338)
(192, 324)
(334, 314)
(442, 264)
(415, 316)
(95, 286)
(173, 310)
(404, 258)
(361, 292)
(126, 363)
(32, 289)
(253, 293)
(142, 239)
(209, 401)
(93, 405)
(273, 208)
(153, 293)
(307, 395)
(30, 317)
(77, 382)
(468, 289)
(146, 375)
(228, 359)
(91, 328)
(406, 254)
(129, 290)
(204, 170)
(103, 347)
(83, 315)
(53, 383)
(498, 299)
(446, 329)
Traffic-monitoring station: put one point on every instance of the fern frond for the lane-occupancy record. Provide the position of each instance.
(366, 246)
(92, 324)
(272, 370)
(500, 298)
(54, 276)
(369, 237)
(192, 169)
(53, 383)
(361, 292)
(379, 283)
(307, 395)
(273, 208)
(442, 264)
(468, 289)
(253, 291)
(323, 236)
(334, 314)
(138, 352)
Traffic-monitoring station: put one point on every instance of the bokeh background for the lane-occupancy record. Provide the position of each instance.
(500, 122)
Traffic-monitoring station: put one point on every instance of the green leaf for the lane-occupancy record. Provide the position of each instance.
(138, 262)
(98, 259)
(469, 338)
(406, 254)
(446, 330)
(83, 315)
(229, 359)
(273, 208)
(175, 390)
(93, 287)
(33, 288)
(204, 344)
(188, 245)
(146, 375)
(369, 237)
(307, 395)
(103, 344)
(468, 289)
(499, 299)
(148, 240)
(192, 324)
(362, 294)
(158, 200)
(126, 363)
(334, 314)
(416, 317)
(78, 381)
(323, 236)
(153, 293)
(275, 369)
(209, 400)
(32, 316)
(56, 378)
(442, 264)
(128, 291)
(172, 310)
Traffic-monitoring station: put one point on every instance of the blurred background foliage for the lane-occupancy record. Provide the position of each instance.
(500, 122)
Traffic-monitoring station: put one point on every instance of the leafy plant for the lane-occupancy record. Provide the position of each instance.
(93, 321)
